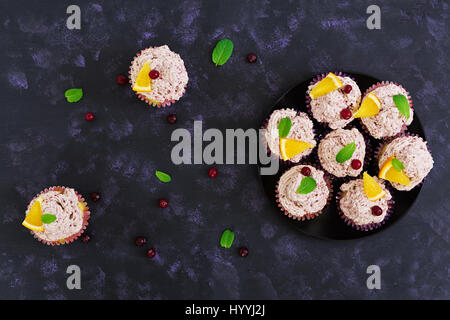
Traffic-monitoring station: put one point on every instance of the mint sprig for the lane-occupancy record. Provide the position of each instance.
(402, 105)
(307, 185)
(284, 127)
(73, 95)
(346, 152)
(48, 218)
(163, 177)
(222, 52)
(227, 238)
(397, 164)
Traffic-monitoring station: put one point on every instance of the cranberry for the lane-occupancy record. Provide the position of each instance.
(140, 241)
(95, 196)
(212, 173)
(122, 79)
(243, 252)
(172, 118)
(89, 116)
(306, 171)
(252, 58)
(376, 211)
(356, 164)
(347, 88)
(85, 238)
(151, 253)
(154, 74)
(163, 203)
(346, 114)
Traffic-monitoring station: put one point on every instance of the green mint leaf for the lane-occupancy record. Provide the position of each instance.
(307, 185)
(222, 52)
(164, 177)
(284, 127)
(397, 164)
(227, 239)
(346, 152)
(402, 104)
(48, 218)
(74, 95)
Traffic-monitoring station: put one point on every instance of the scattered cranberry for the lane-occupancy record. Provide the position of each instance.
(243, 252)
(85, 238)
(347, 88)
(252, 58)
(151, 253)
(140, 241)
(306, 171)
(212, 173)
(95, 196)
(89, 116)
(356, 164)
(122, 79)
(163, 203)
(376, 211)
(346, 114)
(154, 74)
(172, 118)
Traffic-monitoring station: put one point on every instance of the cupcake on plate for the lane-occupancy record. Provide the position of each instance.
(289, 134)
(342, 152)
(405, 162)
(386, 110)
(158, 76)
(333, 98)
(364, 204)
(58, 215)
(302, 192)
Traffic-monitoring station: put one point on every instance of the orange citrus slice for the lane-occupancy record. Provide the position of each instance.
(370, 106)
(330, 83)
(290, 147)
(372, 189)
(143, 82)
(33, 219)
(389, 173)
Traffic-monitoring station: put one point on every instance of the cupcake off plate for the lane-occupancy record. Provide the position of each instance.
(329, 225)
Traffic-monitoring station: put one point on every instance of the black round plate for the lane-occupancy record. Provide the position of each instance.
(329, 225)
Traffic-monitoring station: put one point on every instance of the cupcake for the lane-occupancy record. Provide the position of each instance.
(332, 99)
(158, 76)
(291, 142)
(342, 152)
(392, 115)
(356, 208)
(302, 192)
(405, 162)
(58, 215)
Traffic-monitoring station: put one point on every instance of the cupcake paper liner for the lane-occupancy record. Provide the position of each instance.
(70, 239)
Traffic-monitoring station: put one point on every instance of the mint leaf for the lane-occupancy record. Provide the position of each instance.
(227, 238)
(397, 164)
(74, 95)
(164, 177)
(284, 127)
(48, 218)
(307, 185)
(222, 52)
(346, 152)
(402, 104)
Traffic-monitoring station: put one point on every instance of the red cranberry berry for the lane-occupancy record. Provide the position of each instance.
(154, 74)
(306, 171)
(376, 211)
(212, 173)
(95, 196)
(252, 58)
(140, 241)
(356, 164)
(122, 79)
(172, 118)
(151, 253)
(89, 116)
(347, 88)
(346, 114)
(243, 252)
(85, 238)
(163, 203)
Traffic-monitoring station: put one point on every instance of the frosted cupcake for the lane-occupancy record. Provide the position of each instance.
(302, 192)
(342, 152)
(58, 215)
(405, 162)
(391, 110)
(290, 135)
(332, 99)
(158, 76)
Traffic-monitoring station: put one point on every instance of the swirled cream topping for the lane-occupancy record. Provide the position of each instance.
(355, 205)
(413, 153)
(330, 146)
(389, 121)
(302, 129)
(173, 78)
(327, 108)
(301, 204)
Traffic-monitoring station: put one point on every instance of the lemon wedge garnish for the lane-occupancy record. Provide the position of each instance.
(290, 147)
(143, 82)
(330, 83)
(33, 219)
(372, 189)
(370, 106)
(389, 173)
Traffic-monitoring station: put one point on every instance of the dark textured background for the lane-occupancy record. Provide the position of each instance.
(45, 141)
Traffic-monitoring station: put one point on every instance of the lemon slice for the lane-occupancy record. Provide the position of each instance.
(372, 189)
(290, 147)
(143, 82)
(33, 219)
(389, 173)
(330, 83)
(370, 106)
